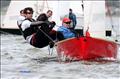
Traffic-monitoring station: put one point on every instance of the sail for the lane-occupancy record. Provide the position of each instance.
(113, 18)
(63, 9)
(94, 18)
(13, 13)
(59, 8)
(102, 18)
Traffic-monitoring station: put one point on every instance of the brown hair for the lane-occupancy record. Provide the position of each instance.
(21, 11)
(42, 17)
(28, 8)
(49, 11)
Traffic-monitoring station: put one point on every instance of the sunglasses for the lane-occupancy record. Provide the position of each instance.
(29, 12)
(67, 22)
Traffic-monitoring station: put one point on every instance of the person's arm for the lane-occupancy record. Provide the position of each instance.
(75, 19)
(51, 25)
(37, 23)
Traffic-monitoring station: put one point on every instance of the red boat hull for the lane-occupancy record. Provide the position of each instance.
(85, 48)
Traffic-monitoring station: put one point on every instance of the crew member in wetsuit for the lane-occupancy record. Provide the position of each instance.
(55, 35)
(32, 30)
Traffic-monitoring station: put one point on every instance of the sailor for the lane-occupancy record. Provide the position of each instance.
(46, 17)
(35, 32)
(21, 18)
(55, 35)
(49, 14)
(65, 28)
(72, 17)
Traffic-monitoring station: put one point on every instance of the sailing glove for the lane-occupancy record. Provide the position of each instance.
(52, 24)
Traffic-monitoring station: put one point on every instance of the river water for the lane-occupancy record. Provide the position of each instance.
(19, 60)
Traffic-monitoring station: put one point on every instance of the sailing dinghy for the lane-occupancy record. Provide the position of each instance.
(96, 46)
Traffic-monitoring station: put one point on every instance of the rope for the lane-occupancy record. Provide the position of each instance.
(47, 35)
(43, 5)
(47, 4)
(49, 47)
(82, 6)
(111, 19)
(90, 14)
(109, 13)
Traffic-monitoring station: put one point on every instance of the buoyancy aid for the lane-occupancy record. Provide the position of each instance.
(19, 23)
(19, 26)
(29, 30)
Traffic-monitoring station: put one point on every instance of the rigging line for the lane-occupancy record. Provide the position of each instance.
(111, 19)
(90, 9)
(109, 13)
(47, 35)
(90, 14)
(82, 6)
(43, 4)
(37, 8)
(47, 4)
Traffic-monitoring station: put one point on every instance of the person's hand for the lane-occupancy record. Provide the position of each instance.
(52, 24)
(52, 32)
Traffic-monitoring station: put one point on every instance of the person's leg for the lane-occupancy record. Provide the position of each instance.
(60, 36)
(73, 25)
(44, 27)
(39, 40)
(56, 36)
